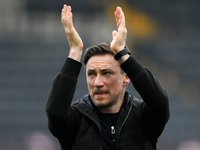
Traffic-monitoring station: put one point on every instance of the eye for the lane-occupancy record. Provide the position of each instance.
(91, 74)
(106, 73)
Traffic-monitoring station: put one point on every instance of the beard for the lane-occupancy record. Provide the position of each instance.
(104, 104)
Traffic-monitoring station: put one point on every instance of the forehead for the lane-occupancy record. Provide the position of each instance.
(106, 61)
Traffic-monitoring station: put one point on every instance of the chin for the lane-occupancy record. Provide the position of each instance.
(102, 105)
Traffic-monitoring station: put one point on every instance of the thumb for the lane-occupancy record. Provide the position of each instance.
(114, 34)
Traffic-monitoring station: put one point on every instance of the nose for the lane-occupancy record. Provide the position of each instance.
(98, 81)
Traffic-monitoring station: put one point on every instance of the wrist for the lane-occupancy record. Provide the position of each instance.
(123, 58)
(75, 54)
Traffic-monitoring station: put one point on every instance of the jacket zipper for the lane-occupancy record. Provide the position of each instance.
(124, 123)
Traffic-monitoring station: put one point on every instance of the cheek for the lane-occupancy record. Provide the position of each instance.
(90, 83)
(115, 84)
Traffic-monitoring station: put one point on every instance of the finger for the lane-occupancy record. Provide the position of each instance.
(63, 14)
(65, 10)
(68, 9)
(114, 34)
(69, 16)
(118, 12)
(120, 17)
(116, 19)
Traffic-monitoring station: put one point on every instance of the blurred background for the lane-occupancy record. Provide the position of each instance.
(162, 35)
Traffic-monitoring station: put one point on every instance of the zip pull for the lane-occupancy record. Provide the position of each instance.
(112, 130)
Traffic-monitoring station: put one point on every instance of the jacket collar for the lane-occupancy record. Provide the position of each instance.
(89, 103)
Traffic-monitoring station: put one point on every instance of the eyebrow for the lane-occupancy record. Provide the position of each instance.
(103, 70)
(89, 70)
(106, 69)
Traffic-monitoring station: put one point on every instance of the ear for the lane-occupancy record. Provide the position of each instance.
(126, 79)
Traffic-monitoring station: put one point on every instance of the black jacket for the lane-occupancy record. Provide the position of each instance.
(77, 127)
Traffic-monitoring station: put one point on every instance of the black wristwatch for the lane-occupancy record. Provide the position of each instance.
(122, 53)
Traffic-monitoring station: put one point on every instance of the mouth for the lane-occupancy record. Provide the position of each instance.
(100, 93)
(100, 96)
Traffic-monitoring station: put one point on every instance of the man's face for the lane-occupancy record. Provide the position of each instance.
(106, 82)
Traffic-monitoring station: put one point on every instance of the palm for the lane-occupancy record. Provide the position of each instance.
(73, 37)
(119, 37)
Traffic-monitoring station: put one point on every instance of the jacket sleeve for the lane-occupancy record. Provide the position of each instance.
(60, 98)
(156, 103)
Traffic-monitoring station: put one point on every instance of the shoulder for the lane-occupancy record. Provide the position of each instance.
(138, 105)
(135, 102)
(82, 103)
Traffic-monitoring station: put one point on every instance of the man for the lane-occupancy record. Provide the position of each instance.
(109, 117)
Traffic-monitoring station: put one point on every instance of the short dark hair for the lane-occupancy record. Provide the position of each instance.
(98, 49)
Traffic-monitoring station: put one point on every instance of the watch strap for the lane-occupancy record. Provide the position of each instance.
(122, 53)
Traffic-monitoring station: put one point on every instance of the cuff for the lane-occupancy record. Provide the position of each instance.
(71, 67)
